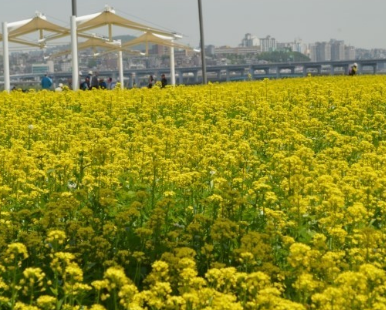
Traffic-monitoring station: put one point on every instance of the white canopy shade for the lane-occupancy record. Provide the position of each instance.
(37, 23)
(108, 18)
(152, 38)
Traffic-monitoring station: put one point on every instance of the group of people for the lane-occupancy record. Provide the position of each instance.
(91, 82)
(151, 83)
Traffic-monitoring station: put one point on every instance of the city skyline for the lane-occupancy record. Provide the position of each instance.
(356, 22)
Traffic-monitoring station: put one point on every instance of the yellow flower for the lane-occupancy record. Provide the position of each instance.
(16, 251)
(97, 307)
(21, 306)
(116, 277)
(58, 236)
(46, 302)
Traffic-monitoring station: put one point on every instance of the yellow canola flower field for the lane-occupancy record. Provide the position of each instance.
(256, 195)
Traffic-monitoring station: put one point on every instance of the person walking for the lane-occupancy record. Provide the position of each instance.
(110, 83)
(46, 82)
(164, 81)
(353, 69)
(89, 77)
(59, 88)
(151, 82)
(85, 84)
(102, 83)
(94, 81)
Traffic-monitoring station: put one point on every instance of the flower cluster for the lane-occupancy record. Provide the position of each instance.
(253, 195)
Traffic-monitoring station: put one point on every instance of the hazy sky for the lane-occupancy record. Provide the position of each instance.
(361, 23)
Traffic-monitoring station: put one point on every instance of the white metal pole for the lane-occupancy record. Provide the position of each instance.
(121, 69)
(172, 67)
(204, 79)
(74, 51)
(7, 83)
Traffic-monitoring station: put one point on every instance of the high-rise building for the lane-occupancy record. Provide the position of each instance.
(298, 46)
(378, 53)
(267, 44)
(320, 51)
(334, 50)
(349, 52)
(210, 49)
(337, 50)
(249, 40)
(294, 46)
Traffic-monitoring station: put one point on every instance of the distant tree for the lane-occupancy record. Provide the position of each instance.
(234, 59)
(283, 56)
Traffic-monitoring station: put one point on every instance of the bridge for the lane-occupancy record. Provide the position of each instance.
(223, 73)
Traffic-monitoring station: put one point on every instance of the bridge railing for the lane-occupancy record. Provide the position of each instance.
(193, 75)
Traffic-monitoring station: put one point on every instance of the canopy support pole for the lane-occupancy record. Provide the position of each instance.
(110, 33)
(74, 51)
(7, 83)
(203, 62)
(172, 67)
(120, 60)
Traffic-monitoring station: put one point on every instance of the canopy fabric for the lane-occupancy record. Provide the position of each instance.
(21, 41)
(37, 23)
(24, 42)
(149, 37)
(84, 23)
(14, 25)
(108, 45)
(67, 33)
(108, 17)
(95, 42)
